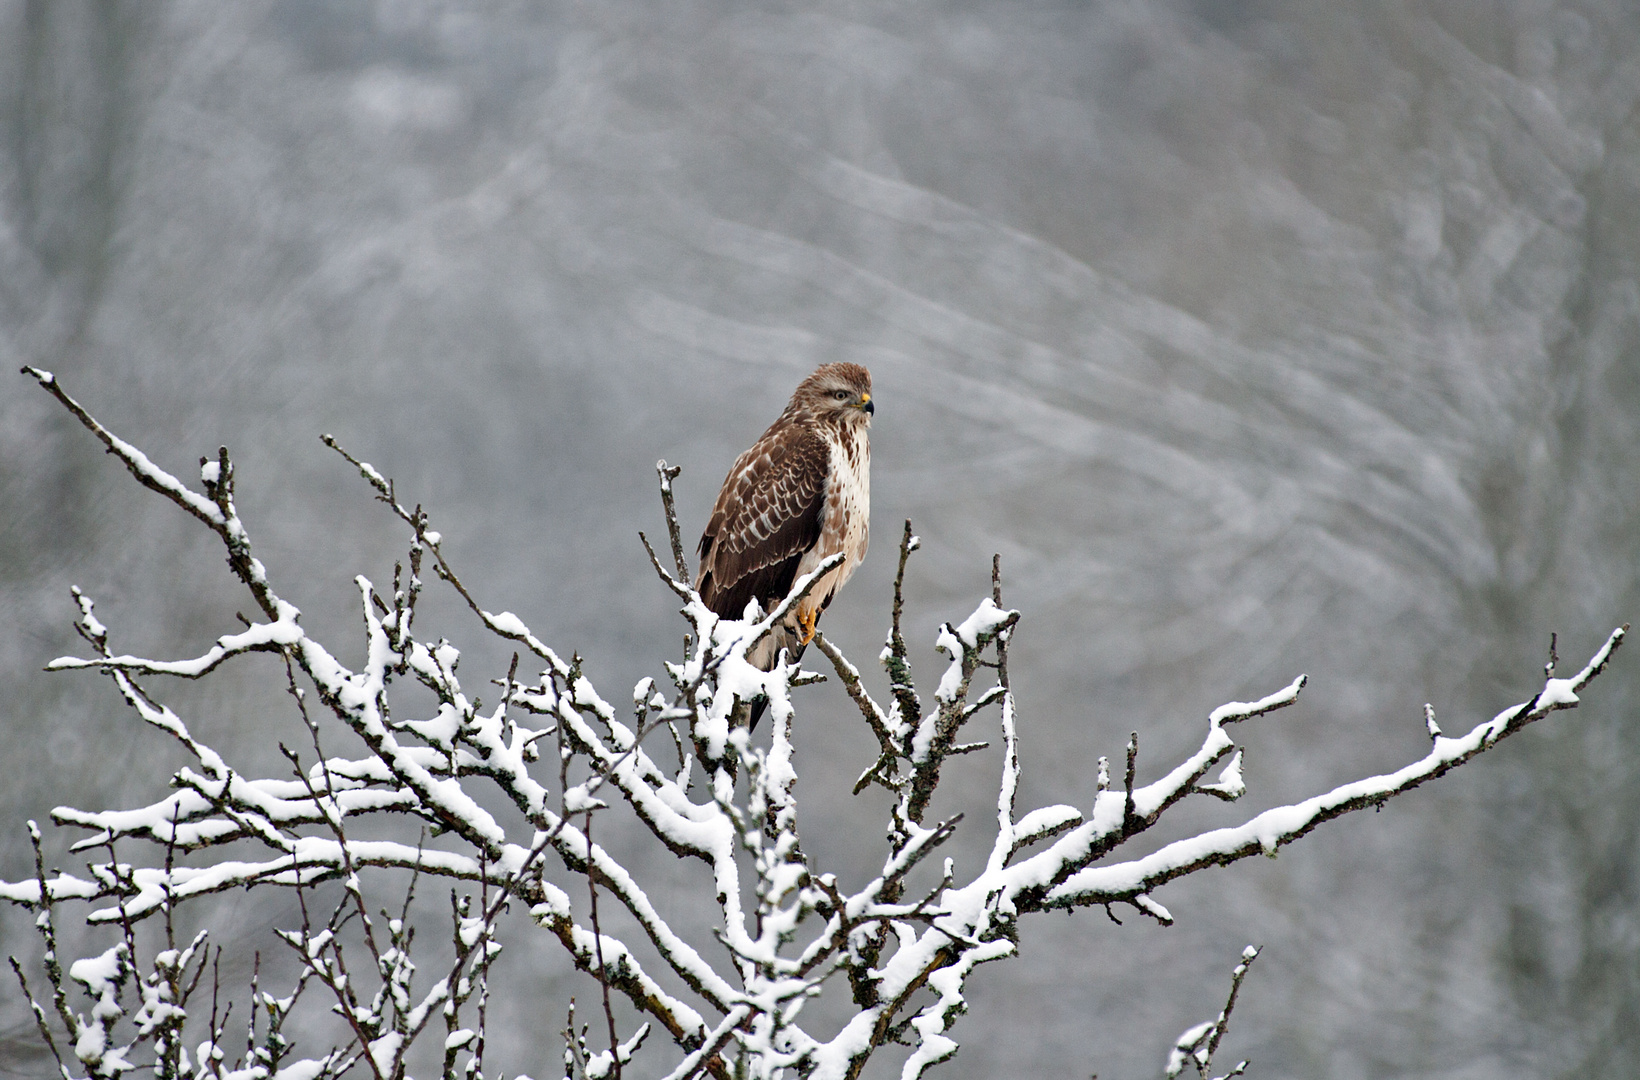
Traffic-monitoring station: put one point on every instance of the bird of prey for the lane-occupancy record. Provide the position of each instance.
(801, 494)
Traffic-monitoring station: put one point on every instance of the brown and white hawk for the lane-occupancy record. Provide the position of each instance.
(801, 494)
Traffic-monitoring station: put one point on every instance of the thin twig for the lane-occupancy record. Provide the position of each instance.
(897, 661)
(1003, 635)
(598, 949)
(669, 473)
(40, 1019)
(1248, 955)
(1129, 818)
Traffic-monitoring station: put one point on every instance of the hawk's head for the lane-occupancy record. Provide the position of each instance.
(838, 393)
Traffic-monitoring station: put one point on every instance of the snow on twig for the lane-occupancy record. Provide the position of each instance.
(1197, 1046)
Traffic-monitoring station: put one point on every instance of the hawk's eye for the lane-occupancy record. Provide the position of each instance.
(840, 395)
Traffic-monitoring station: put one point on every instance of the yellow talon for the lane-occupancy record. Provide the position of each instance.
(807, 621)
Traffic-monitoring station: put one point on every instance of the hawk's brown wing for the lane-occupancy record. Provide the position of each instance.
(767, 516)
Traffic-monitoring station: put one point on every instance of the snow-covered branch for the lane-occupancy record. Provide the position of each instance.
(900, 943)
(1197, 1046)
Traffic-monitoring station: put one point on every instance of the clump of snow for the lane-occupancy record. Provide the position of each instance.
(1150, 907)
(951, 682)
(99, 974)
(580, 799)
(1557, 693)
(1230, 783)
(1187, 1048)
(440, 730)
(508, 623)
(1243, 710)
(983, 622)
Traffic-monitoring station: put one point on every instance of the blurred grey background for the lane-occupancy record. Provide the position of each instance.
(1258, 338)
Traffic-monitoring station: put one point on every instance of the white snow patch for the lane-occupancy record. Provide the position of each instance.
(951, 681)
(1230, 782)
(1557, 692)
(1241, 710)
(508, 623)
(985, 620)
(1184, 1049)
(98, 973)
(580, 799)
(1150, 907)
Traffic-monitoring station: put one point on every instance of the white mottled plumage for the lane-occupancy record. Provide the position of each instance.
(845, 519)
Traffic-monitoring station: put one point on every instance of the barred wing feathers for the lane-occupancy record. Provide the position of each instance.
(767, 517)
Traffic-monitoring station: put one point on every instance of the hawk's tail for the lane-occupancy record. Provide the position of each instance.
(760, 703)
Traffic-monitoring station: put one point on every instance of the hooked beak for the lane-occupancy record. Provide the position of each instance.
(865, 403)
